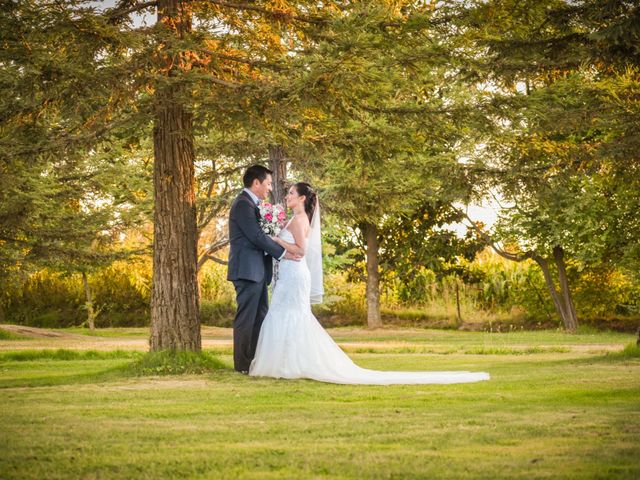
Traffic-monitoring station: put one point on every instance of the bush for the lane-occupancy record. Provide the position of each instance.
(344, 302)
(495, 292)
(217, 313)
(175, 362)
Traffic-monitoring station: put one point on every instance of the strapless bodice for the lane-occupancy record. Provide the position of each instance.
(287, 236)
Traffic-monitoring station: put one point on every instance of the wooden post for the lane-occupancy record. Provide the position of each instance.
(89, 302)
(458, 303)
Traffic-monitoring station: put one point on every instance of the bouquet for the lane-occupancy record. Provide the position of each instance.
(272, 218)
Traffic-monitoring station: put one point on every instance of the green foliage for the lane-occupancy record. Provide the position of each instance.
(7, 335)
(422, 239)
(504, 284)
(344, 301)
(45, 299)
(121, 297)
(66, 355)
(492, 290)
(630, 351)
(172, 362)
(219, 313)
(214, 284)
(563, 152)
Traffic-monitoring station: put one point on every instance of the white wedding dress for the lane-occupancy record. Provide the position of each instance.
(292, 344)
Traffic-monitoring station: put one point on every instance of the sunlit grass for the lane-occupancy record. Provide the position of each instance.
(7, 335)
(550, 410)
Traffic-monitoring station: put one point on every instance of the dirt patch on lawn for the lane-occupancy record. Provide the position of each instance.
(159, 384)
(38, 332)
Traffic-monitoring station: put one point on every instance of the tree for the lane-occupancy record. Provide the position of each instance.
(389, 132)
(561, 149)
(94, 76)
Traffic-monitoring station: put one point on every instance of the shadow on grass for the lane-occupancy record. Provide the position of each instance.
(64, 354)
(167, 362)
(629, 353)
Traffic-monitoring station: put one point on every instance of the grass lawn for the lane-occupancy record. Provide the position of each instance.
(557, 406)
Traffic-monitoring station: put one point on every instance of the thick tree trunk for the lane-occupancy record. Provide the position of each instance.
(91, 316)
(175, 317)
(278, 164)
(374, 319)
(571, 318)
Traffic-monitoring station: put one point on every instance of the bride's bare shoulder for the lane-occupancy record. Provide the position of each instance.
(300, 223)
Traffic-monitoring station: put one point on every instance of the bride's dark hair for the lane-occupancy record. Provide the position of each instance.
(304, 189)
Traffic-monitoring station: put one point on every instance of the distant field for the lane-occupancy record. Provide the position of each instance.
(557, 406)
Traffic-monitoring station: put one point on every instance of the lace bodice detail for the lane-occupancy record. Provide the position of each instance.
(286, 235)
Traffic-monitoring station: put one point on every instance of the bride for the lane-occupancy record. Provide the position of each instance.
(292, 344)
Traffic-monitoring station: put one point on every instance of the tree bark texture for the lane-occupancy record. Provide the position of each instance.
(278, 164)
(559, 300)
(175, 317)
(374, 319)
(570, 316)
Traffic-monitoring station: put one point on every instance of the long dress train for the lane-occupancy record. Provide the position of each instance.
(292, 344)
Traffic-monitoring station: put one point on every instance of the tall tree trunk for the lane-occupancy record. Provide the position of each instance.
(175, 317)
(571, 322)
(374, 320)
(278, 164)
(91, 316)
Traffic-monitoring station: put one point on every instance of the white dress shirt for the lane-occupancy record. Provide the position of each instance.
(253, 196)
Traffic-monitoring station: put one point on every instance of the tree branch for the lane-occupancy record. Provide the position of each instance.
(515, 257)
(117, 13)
(208, 255)
(219, 81)
(204, 259)
(253, 63)
(410, 110)
(283, 14)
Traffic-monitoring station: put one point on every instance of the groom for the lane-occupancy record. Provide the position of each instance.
(250, 264)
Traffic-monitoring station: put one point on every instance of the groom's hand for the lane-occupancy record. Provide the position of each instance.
(291, 256)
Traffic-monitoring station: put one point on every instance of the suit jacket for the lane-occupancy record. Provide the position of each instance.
(248, 243)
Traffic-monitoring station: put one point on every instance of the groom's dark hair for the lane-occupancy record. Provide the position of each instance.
(255, 172)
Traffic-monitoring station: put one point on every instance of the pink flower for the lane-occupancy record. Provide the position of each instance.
(268, 217)
(281, 216)
(267, 205)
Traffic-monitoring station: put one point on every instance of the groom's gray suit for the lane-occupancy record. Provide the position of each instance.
(250, 270)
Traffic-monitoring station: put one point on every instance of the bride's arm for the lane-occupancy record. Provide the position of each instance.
(298, 230)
